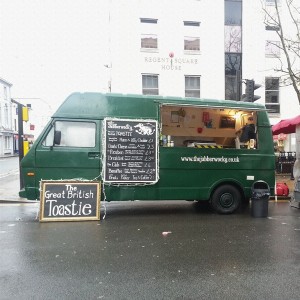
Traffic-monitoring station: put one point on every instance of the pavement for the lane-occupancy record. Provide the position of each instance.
(9, 188)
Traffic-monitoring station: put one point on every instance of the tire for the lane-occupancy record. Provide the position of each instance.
(226, 199)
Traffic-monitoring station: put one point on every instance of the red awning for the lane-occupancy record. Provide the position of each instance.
(286, 126)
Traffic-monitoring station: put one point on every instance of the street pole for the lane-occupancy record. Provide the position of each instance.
(238, 85)
(21, 148)
(20, 139)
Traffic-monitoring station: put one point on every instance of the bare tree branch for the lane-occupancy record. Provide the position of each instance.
(290, 46)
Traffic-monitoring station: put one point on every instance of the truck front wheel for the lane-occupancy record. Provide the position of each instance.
(226, 199)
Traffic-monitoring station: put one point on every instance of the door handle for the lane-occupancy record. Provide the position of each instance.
(94, 155)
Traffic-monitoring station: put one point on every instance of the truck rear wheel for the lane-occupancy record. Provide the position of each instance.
(226, 199)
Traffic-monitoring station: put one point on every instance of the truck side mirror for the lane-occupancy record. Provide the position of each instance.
(57, 137)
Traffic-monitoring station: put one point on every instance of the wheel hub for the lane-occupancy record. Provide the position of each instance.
(226, 200)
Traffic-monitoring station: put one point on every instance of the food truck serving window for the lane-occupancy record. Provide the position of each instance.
(207, 127)
(71, 134)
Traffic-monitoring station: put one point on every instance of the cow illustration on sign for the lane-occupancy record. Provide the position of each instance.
(145, 129)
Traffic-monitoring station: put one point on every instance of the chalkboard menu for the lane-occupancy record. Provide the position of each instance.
(69, 201)
(130, 151)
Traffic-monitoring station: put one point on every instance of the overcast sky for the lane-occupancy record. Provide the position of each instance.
(51, 48)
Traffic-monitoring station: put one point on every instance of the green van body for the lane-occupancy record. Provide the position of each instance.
(185, 173)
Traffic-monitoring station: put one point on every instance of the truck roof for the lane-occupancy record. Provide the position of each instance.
(99, 106)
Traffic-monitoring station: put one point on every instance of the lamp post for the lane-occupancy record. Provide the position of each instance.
(109, 81)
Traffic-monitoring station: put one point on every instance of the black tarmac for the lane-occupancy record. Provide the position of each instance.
(151, 250)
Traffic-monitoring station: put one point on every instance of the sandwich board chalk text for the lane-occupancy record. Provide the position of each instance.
(69, 201)
(130, 151)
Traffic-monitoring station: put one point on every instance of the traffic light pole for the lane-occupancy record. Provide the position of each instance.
(21, 134)
(238, 85)
(20, 139)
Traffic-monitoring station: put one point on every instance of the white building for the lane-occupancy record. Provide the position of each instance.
(7, 123)
(39, 115)
(197, 48)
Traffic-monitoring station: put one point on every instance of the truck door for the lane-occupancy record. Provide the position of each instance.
(69, 150)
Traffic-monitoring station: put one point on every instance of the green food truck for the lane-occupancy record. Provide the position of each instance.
(155, 148)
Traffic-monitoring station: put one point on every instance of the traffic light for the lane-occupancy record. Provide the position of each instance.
(251, 86)
(25, 115)
(25, 147)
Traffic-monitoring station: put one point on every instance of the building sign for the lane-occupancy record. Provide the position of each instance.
(69, 201)
(171, 63)
(130, 151)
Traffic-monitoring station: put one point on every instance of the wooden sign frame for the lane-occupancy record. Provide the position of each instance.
(68, 200)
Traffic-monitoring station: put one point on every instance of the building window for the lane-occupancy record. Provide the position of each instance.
(191, 23)
(6, 142)
(192, 86)
(149, 41)
(233, 39)
(148, 20)
(149, 34)
(231, 87)
(191, 43)
(233, 63)
(6, 116)
(272, 2)
(272, 94)
(150, 84)
(233, 12)
(272, 48)
(5, 93)
(233, 48)
(272, 28)
(233, 69)
(191, 36)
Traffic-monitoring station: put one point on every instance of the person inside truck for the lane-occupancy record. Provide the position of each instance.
(246, 133)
